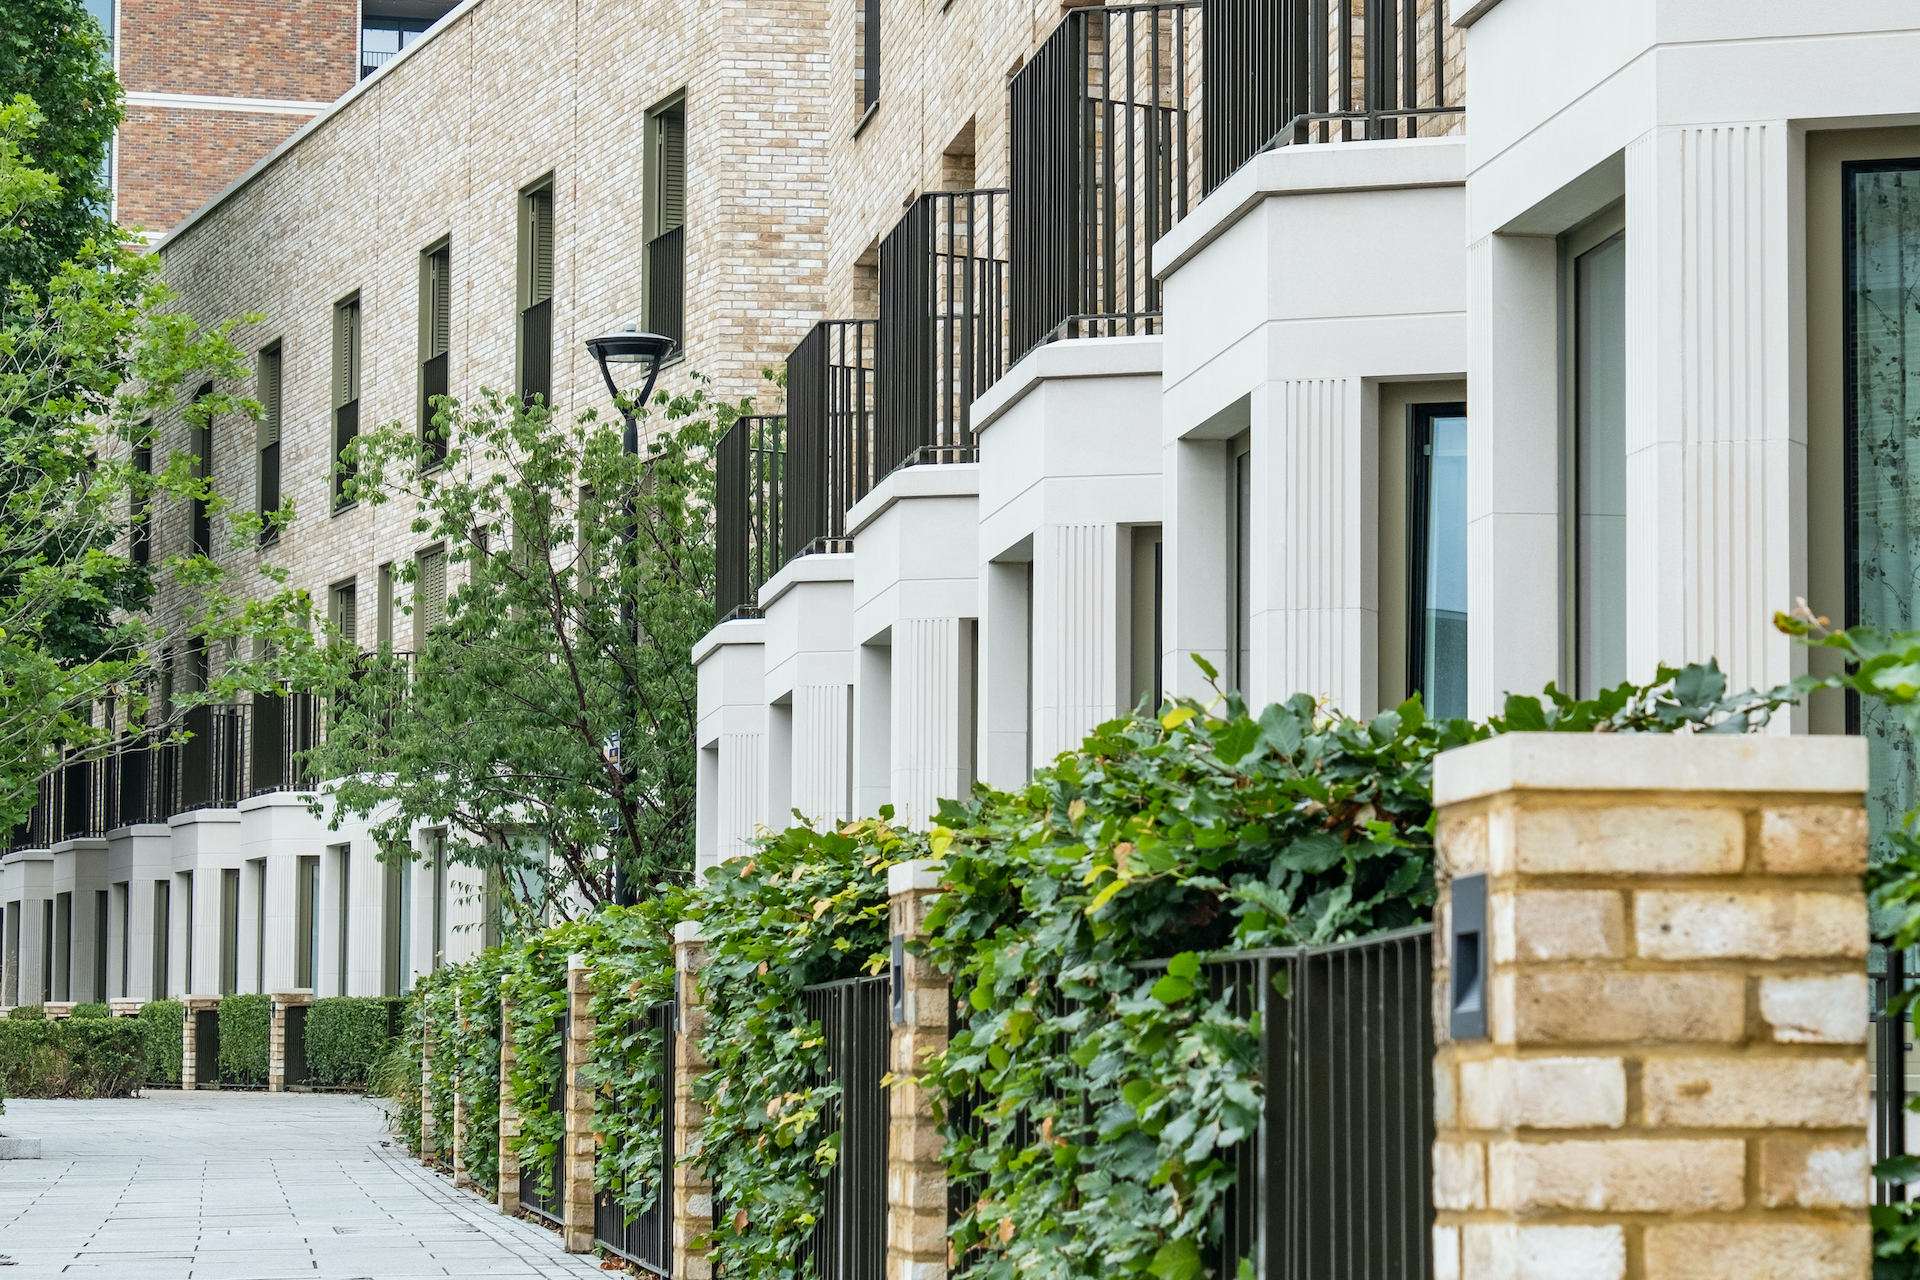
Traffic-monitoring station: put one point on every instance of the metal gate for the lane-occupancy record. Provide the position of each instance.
(206, 1048)
(849, 1242)
(294, 1049)
(1889, 1045)
(647, 1237)
(551, 1205)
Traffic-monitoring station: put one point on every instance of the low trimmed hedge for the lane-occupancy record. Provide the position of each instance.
(165, 1023)
(72, 1058)
(349, 1037)
(90, 1011)
(246, 1034)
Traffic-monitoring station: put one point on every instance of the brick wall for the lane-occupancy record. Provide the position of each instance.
(172, 160)
(1674, 1082)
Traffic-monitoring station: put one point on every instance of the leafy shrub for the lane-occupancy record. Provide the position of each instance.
(28, 1013)
(807, 907)
(537, 985)
(246, 1035)
(397, 1077)
(90, 1011)
(72, 1058)
(165, 1024)
(348, 1037)
(632, 971)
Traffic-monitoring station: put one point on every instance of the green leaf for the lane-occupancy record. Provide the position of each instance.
(1184, 965)
(1176, 1260)
(1524, 715)
(1172, 990)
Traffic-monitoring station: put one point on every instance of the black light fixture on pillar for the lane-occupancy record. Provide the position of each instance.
(631, 345)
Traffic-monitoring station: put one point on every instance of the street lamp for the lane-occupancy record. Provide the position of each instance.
(631, 345)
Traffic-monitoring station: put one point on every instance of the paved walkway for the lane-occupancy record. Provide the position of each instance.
(244, 1186)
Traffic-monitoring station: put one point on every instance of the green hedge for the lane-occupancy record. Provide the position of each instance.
(348, 1037)
(72, 1058)
(90, 1011)
(28, 1013)
(246, 1030)
(165, 1023)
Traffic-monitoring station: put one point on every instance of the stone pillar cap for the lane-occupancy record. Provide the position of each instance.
(919, 873)
(688, 931)
(1828, 763)
(577, 960)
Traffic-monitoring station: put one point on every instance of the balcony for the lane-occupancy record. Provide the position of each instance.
(1129, 115)
(749, 482)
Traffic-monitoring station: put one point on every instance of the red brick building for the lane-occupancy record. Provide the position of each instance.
(212, 87)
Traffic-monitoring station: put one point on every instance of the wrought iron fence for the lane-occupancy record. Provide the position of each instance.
(149, 778)
(750, 476)
(286, 728)
(647, 1237)
(849, 1241)
(83, 804)
(1339, 71)
(212, 761)
(831, 445)
(943, 323)
(1337, 1182)
(1892, 1041)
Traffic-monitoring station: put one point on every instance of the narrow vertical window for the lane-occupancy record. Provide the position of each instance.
(344, 853)
(260, 924)
(268, 440)
(140, 541)
(124, 891)
(162, 942)
(1437, 557)
(1239, 561)
(346, 394)
(1144, 619)
(666, 213)
(306, 935)
(383, 636)
(100, 946)
(1600, 466)
(343, 611)
(1880, 203)
(869, 58)
(536, 293)
(439, 852)
(430, 594)
(200, 438)
(436, 334)
(229, 930)
(393, 945)
(187, 913)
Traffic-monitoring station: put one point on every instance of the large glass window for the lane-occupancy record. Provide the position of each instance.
(1437, 557)
(1881, 204)
(1600, 466)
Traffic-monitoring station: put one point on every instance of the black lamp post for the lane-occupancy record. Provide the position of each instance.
(649, 350)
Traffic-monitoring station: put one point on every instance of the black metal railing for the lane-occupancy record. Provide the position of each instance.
(831, 437)
(36, 830)
(551, 1203)
(1129, 114)
(943, 323)
(849, 1240)
(84, 809)
(212, 761)
(1892, 1042)
(646, 1238)
(285, 729)
(1106, 122)
(667, 285)
(536, 353)
(749, 477)
(149, 778)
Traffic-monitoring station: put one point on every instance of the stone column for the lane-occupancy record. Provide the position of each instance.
(1671, 1081)
(508, 1196)
(125, 1008)
(189, 1039)
(692, 1190)
(916, 1178)
(576, 1198)
(55, 1010)
(277, 1036)
(429, 1140)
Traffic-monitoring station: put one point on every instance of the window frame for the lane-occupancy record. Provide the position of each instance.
(343, 392)
(434, 341)
(1419, 474)
(269, 435)
(527, 283)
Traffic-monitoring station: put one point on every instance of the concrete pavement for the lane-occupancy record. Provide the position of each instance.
(245, 1186)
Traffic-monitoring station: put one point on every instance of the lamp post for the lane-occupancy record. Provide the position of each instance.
(631, 345)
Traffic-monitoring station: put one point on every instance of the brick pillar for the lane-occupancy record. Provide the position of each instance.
(429, 1140)
(692, 1191)
(125, 1008)
(1672, 1078)
(916, 1179)
(461, 1178)
(508, 1196)
(277, 1036)
(189, 1038)
(577, 1192)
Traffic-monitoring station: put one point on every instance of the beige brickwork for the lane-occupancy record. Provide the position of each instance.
(277, 1036)
(916, 1178)
(461, 1178)
(508, 1194)
(1674, 1080)
(429, 1139)
(692, 1189)
(581, 1144)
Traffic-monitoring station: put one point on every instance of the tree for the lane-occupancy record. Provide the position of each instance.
(54, 52)
(89, 359)
(513, 725)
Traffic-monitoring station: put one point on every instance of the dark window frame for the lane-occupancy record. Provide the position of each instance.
(1420, 420)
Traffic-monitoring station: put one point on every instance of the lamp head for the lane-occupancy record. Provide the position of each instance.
(630, 345)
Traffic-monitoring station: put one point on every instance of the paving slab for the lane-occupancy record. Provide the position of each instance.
(246, 1186)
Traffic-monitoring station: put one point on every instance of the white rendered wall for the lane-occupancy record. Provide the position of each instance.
(26, 886)
(205, 843)
(1296, 288)
(915, 591)
(278, 828)
(805, 690)
(79, 869)
(1070, 462)
(729, 662)
(137, 857)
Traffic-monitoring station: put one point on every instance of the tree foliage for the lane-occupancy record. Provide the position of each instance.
(552, 736)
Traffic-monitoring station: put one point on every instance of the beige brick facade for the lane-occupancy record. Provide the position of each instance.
(1674, 1083)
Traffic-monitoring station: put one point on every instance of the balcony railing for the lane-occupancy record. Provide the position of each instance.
(832, 456)
(750, 476)
(285, 728)
(667, 285)
(943, 323)
(213, 759)
(1129, 114)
